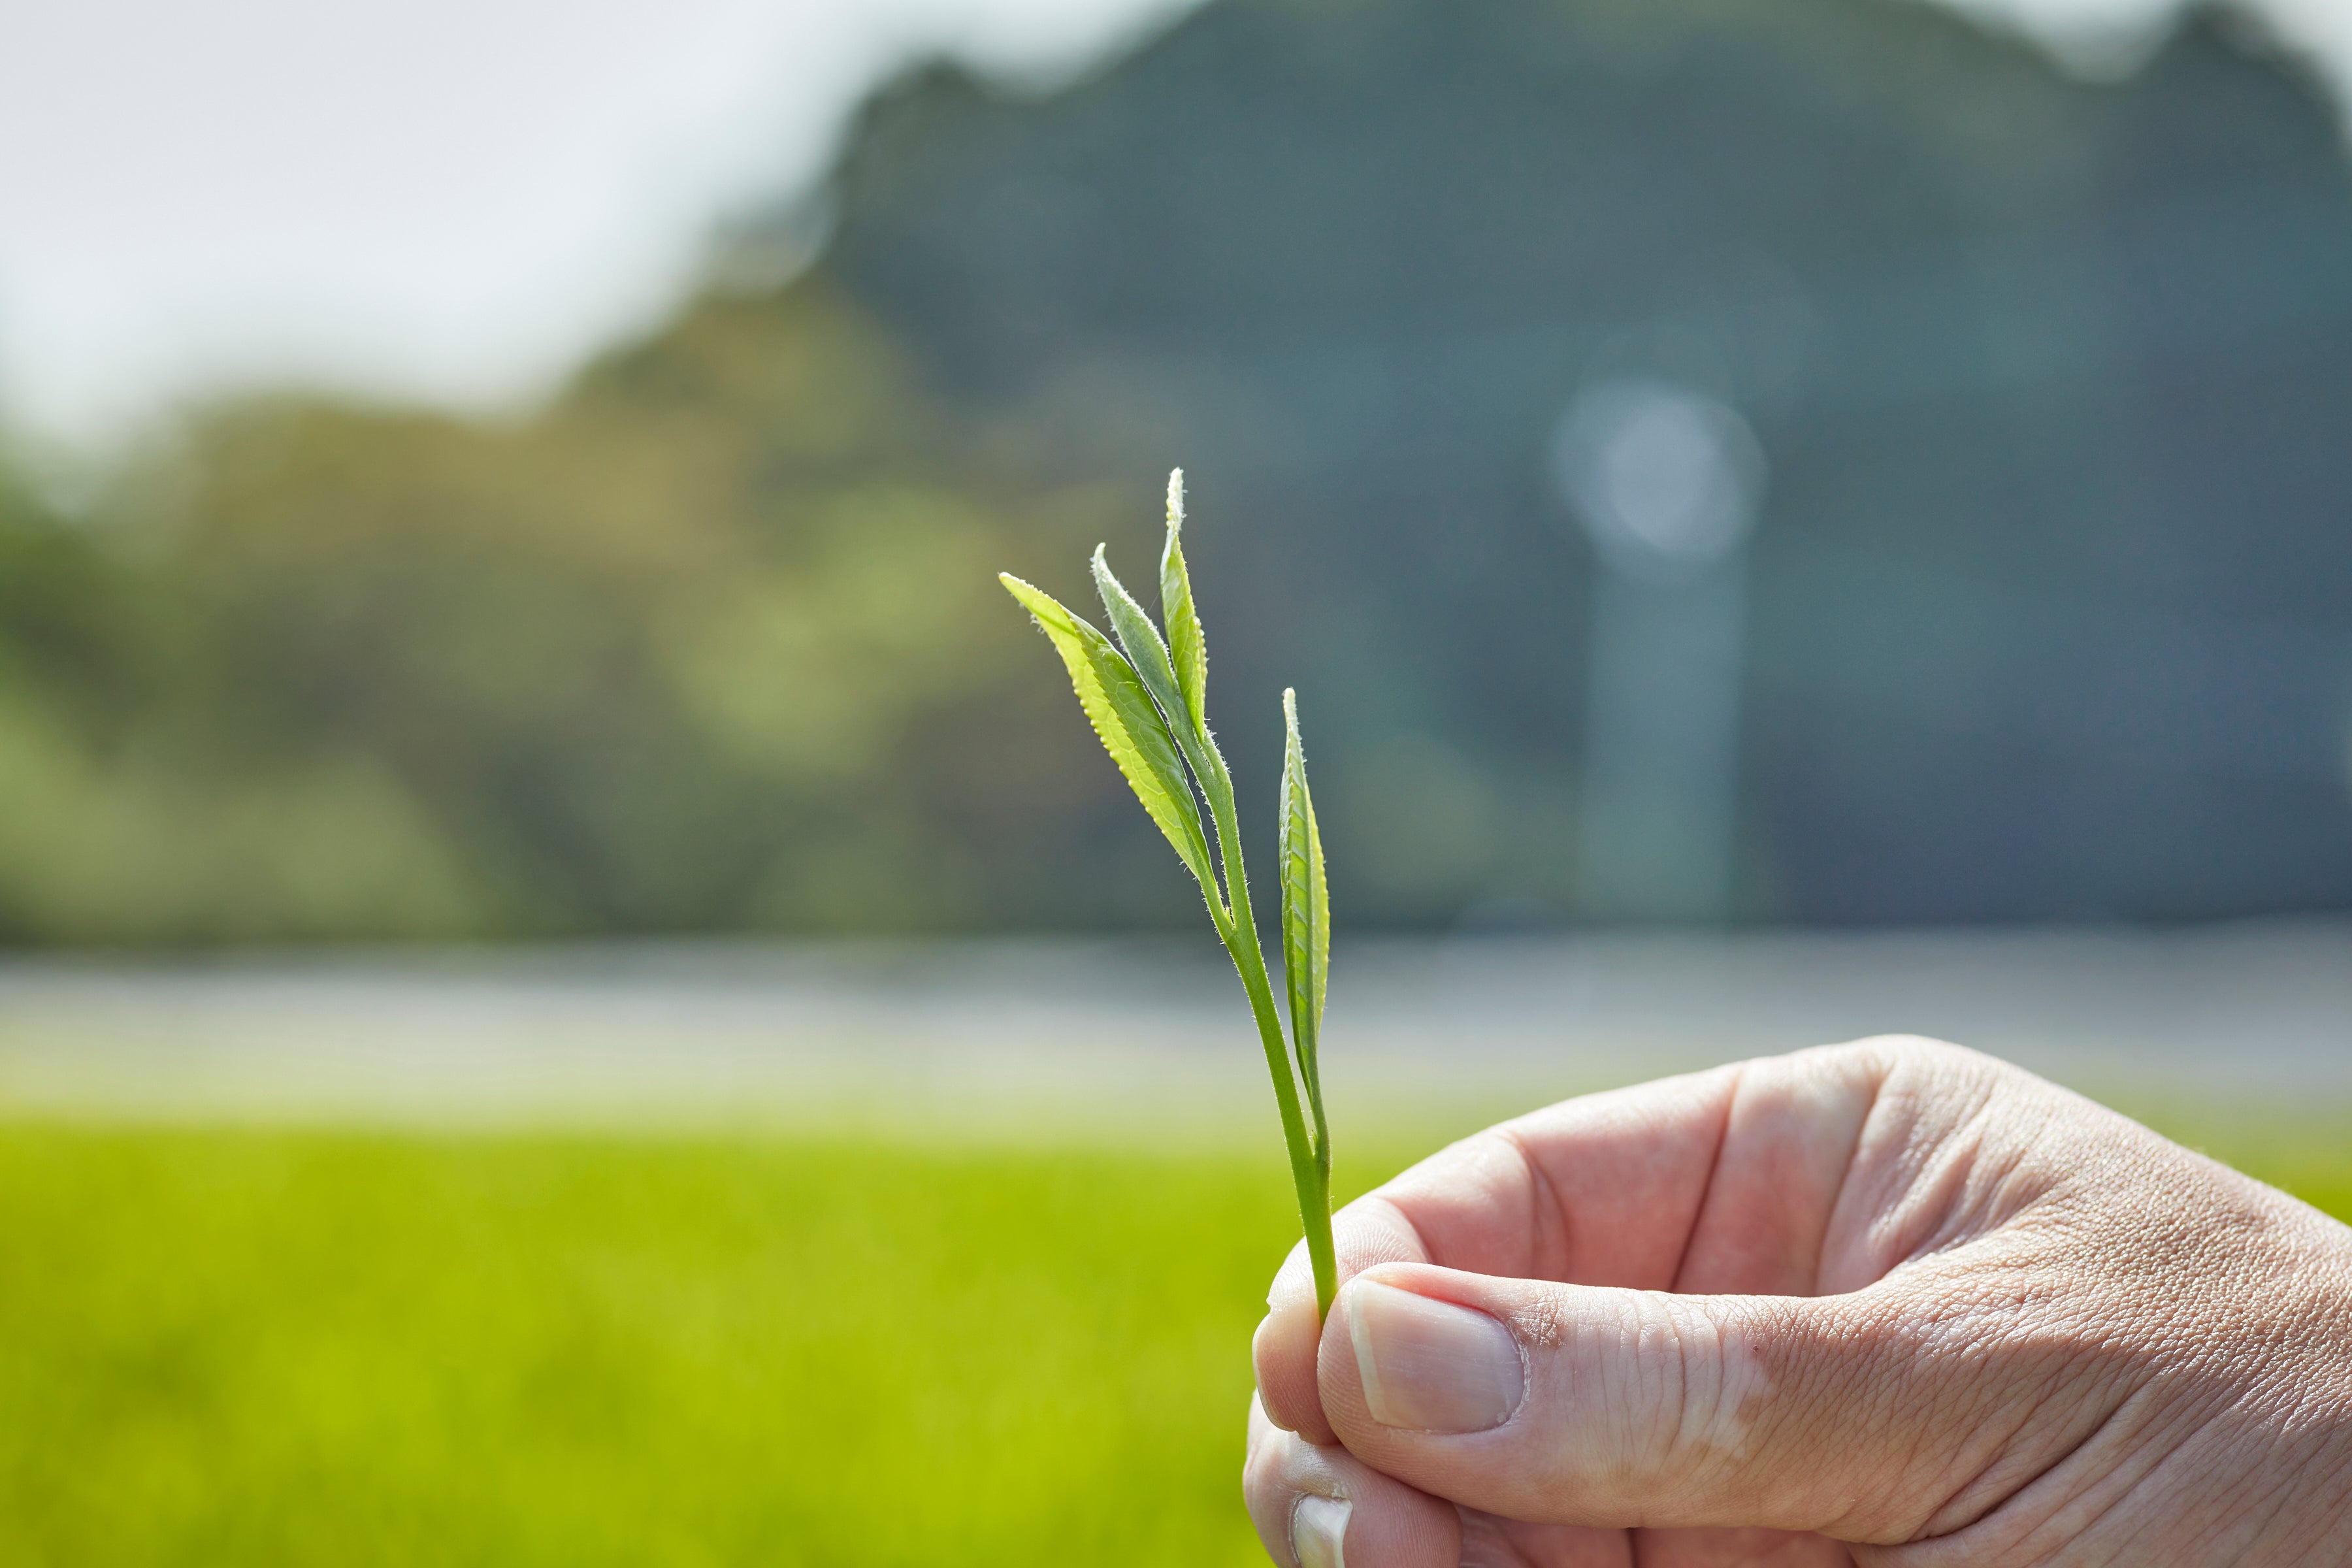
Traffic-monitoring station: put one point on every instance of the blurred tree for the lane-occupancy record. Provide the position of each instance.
(712, 643)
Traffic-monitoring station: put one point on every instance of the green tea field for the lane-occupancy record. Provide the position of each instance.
(276, 1347)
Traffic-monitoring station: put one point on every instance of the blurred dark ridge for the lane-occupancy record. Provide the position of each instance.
(2051, 602)
(2048, 609)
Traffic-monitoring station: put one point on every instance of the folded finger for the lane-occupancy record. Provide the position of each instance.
(1602, 1189)
(1365, 1234)
(1321, 1507)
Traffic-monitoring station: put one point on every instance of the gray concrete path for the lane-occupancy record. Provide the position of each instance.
(1127, 1039)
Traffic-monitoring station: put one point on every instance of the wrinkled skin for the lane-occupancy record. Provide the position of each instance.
(1893, 1303)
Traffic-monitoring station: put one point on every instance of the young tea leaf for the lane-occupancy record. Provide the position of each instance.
(1121, 711)
(1186, 649)
(1305, 906)
(1141, 641)
(1148, 706)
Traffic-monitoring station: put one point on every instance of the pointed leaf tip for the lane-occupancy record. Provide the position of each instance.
(1145, 650)
(1306, 904)
(1187, 650)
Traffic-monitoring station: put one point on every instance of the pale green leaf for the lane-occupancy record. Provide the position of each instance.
(1130, 727)
(1187, 650)
(1305, 906)
(1149, 655)
(1140, 640)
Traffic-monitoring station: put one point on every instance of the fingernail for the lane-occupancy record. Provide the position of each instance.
(1318, 1529)
(1430, 1367)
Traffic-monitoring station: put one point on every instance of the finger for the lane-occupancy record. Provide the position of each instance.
(1630, 1166)
(1367, 1232)
(1738, 1549)
(1327, 1508)
(1602, 1189)
(1322, 1508)
(1849, 1415)
(1722, 1181)
(1489, 1541)
(1790, 1133)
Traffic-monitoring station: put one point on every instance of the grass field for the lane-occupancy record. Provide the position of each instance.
(274, 1347)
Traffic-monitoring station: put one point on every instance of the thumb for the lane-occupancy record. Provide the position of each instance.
(1581, 1405)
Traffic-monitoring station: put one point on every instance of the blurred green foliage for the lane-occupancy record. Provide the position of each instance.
(290, 1348)
(711, 643)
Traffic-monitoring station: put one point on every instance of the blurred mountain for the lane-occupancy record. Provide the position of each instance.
(2051, 604)
(2048, 613)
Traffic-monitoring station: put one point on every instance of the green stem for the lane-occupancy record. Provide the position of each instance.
(1311, 1160)
(1322, 1135)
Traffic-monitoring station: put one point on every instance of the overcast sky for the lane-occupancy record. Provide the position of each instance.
(457, 199)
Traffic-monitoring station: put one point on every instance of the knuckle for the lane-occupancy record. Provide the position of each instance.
(1655, 1391)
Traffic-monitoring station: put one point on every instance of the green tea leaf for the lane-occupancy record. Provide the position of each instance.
(1186, 649)
(1141, 641)
(1150, 705)
(1149, 655)
(1130, 727)
(1305, 906)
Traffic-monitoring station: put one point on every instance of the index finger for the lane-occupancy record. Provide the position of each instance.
(1600, 1190)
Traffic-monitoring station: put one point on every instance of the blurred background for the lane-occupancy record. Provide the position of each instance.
(576, 988)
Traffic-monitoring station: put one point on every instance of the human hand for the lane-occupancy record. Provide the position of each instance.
(1892, 1303)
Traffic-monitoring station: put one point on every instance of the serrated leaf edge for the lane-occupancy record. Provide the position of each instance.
(1305, 905)
(1187, 650)
(1128, 723)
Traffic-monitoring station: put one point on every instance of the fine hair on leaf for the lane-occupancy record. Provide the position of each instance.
(1305, 920)
(1130, 727)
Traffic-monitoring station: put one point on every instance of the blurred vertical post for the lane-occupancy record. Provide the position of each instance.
(1668, 483)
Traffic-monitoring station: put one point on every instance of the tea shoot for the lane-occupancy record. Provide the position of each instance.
(1146, 695)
